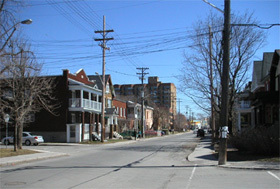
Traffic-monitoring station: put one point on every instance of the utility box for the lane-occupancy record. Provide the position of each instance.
(224, 131)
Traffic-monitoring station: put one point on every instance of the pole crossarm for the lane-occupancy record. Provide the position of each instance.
(102, 31)
(106, 39)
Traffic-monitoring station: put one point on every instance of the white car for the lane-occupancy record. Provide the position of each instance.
(27, 139)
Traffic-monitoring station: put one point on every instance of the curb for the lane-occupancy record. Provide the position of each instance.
(7, 161)
(249, 168)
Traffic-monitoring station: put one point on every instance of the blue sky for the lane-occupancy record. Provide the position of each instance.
(152, 34)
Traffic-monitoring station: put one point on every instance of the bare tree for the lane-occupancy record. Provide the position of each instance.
(161, 118)
(23, 92)
(180, 122)
(196, 79)
(8, 26)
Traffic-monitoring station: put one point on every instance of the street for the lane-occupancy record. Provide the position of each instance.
(153, 163)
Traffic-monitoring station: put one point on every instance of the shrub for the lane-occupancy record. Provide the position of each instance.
(260, 140)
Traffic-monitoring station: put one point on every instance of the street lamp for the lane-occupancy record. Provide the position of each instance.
(28, 21)
(6, 118)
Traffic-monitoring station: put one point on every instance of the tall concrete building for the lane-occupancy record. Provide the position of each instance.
(163, 95)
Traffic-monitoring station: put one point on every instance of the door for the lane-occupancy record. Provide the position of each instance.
(72, 133)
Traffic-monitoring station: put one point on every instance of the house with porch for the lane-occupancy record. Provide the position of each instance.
(111, 116)
(265, 91)
(79, 113)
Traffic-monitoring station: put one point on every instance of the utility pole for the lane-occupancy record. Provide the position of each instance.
(179, 100)
(225, 82)
(187, 112)
(211, 87)
(142, 75)
(190, 117)
(104, 40)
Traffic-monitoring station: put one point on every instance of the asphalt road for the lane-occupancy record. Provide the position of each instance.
(155, 163)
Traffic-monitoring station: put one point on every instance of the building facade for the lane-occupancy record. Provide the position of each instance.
(79, 110)
(157, 94)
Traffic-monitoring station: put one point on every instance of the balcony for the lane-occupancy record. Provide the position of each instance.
(84, 104)
(244, 104)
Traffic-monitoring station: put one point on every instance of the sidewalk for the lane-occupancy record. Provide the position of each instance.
(29, 157)
(203, 154)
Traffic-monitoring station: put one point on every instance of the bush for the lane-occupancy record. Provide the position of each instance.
(261, 140)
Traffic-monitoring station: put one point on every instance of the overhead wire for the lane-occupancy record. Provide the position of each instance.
(126, 47)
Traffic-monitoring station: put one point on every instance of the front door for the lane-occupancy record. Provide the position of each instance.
(72, 133)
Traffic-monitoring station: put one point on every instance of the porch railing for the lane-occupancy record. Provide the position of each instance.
(87, 104)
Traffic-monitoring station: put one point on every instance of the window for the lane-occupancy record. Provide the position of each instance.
(73, 118)
(124, 112)
(109, 103)
(107, 88)
(121, 112)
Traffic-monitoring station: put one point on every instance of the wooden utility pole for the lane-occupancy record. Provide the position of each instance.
(211, 87)
(225, 82)
(143, 73)
(104, 48)
(179, 118)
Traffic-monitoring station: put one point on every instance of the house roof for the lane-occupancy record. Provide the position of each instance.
(98, 80)
(266, 64)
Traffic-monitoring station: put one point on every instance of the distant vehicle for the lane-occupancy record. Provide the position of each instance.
(200, 133)
(27, 139)
(205, 131)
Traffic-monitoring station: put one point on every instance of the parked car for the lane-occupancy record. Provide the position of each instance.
(27, 139)
(200, 133)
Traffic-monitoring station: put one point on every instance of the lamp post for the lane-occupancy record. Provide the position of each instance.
(28, 21)
(7, 118)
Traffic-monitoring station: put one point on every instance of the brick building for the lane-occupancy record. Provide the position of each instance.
(157, 94)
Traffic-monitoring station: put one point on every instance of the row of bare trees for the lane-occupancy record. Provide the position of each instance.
(23, 92)
(196, 76)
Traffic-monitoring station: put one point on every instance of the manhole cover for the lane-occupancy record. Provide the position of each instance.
(15, 183)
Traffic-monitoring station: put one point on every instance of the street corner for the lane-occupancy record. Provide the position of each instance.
(42, 155)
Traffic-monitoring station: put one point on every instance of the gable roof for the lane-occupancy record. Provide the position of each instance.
(98, 80)
(81, 77)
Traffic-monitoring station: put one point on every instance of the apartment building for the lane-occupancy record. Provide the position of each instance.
(157, 94)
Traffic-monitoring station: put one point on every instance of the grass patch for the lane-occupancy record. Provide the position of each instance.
(10, 152)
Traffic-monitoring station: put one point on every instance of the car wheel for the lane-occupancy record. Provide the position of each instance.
(27, 143)
(6, 142)
(35, 144)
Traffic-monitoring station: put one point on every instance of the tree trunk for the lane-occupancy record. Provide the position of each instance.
(19, 136)
(15, 139)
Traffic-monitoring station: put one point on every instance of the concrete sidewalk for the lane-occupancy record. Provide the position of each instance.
(30, 157)
(203, 154)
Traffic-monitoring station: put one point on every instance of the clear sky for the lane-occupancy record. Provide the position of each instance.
(152, 34)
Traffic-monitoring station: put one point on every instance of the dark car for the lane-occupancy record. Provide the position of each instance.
(200, 133)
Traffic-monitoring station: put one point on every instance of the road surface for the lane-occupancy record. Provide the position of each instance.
(154, 163)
